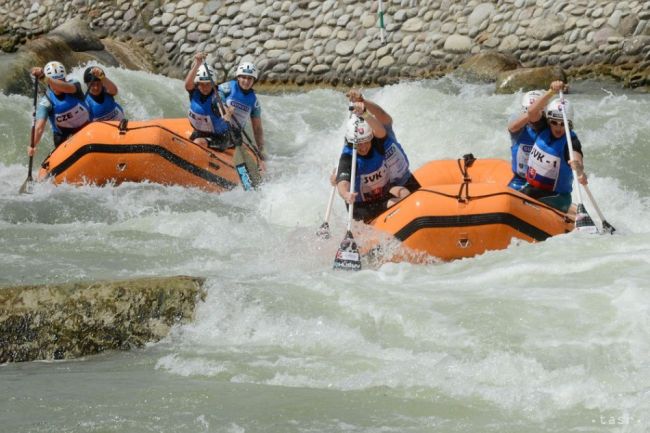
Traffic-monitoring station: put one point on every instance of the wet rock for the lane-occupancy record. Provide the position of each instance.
(78, 35)
(77, 319)
(485, 67)
(528, 79)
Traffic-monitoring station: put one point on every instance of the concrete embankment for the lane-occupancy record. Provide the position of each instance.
(62, 321)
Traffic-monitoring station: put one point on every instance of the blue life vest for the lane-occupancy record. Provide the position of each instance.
(68, 114)
(396, 161)
(203, 114)
(107, 110)
(517, 183)
(245, 104)
(522, 143)
(372, 178)
(548, 169)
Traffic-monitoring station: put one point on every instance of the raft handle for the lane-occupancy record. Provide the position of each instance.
(469, 159)
(122, 127)
(464, 241)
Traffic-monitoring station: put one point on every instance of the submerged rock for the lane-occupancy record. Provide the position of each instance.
(61, 321)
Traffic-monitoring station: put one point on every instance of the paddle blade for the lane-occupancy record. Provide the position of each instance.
(323, 231)
(608, 228)
(247, 169)
(584, 223)
(27, 186)
(348, 257)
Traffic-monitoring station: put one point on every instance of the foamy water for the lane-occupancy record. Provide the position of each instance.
(550, 337)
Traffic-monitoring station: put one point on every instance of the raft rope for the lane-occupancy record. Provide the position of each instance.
(468, 161)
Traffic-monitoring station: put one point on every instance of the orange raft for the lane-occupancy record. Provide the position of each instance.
(465, 208)
(157, 151)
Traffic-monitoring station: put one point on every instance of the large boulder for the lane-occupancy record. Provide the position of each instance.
(15, 77)
(484, 67)
(77, 34)
(57, 321)
(528, 79)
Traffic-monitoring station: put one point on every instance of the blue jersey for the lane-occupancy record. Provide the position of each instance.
(372, 179)
(104, 107)
(397, 163)
(396, 160)
(246, 104)
(203, 114)
(67, 112)
(522, 142)
(548, 168)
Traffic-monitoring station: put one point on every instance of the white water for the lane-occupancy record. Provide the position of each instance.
(550, 337)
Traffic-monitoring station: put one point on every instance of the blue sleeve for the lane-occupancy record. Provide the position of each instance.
(43, 109)
(224, 90)
(256, 112)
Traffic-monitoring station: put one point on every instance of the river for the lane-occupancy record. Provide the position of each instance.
(549, 337)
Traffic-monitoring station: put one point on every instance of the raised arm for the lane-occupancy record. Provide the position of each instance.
(535, 111)
(199, 58)
(354, 95)
(60, 86)
(361, 110)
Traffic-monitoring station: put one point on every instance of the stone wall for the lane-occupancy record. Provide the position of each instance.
(76, 319)
(338, 41)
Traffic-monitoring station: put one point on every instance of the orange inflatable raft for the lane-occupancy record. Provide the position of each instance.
(465, 208)
(157, 151)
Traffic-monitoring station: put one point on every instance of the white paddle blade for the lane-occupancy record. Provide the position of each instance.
(608, 228)
(27, 187)
(584, 223)
(323, 231)
(348, 257)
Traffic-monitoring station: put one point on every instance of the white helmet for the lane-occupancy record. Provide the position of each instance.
(358, 131)
(204, 75)
(247, 69)
(556, 106)
(529, 99)
(54, 70)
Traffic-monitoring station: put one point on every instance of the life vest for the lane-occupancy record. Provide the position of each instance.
(69, 112)
(245, 104)
(108, 109)
(522, 144)
(203, 115)
(548, 169)
(396, 160)
(372, 178)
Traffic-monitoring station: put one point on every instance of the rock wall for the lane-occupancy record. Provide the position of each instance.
(338, 41)
(77, 319)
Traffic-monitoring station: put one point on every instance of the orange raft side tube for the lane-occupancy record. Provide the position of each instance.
(157, 151)
(466, 209)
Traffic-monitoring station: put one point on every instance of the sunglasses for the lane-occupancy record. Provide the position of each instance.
(556, 123)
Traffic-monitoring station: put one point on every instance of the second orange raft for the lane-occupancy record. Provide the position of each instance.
(157, 151)
(465, 208)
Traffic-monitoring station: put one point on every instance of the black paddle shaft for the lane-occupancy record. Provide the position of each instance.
(33, 136)
(26, 186)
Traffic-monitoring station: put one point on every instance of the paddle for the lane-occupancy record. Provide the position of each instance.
(245, 165)
(607, 227)
(28, 186)
(348, 257)
(583, 220)
(323, 231)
